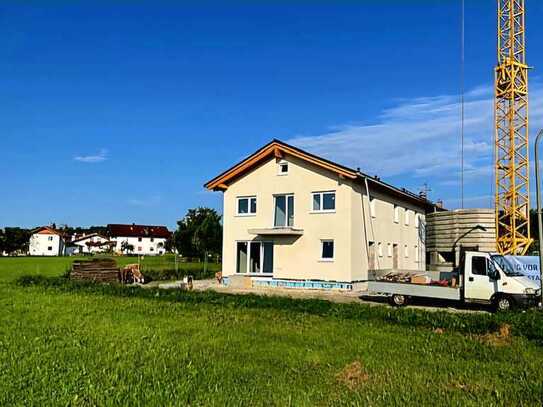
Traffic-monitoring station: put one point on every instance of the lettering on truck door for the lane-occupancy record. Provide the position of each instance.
(478, 285)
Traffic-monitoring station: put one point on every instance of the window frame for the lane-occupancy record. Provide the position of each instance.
(248, 260)
(406, 251)
(286, 225)
(280, 165)
(407, 217)
(380, 249)
(249, 198)
(321, 202)
(327, 259)
(389, 249)
(396, 214)
(373, 207)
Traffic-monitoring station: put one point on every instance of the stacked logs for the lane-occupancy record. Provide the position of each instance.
(98, 270)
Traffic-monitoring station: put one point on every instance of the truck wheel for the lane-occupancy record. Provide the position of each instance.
(503, 303)
(398, 300)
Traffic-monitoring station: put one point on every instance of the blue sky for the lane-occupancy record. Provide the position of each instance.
(119, 113)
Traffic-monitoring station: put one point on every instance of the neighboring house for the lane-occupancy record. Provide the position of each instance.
(46, 241)
(294, 219)
(146, 240)
(91, 244)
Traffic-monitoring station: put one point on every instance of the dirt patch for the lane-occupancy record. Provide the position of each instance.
(502, 337)
(353, 375)
(439, 331)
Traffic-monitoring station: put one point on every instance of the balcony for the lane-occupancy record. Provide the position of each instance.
(277, 231)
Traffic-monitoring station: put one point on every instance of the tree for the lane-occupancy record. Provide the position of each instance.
(199, 233)
(15, 240)
(127, 247)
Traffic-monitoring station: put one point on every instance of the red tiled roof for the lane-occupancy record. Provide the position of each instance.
(138, 231)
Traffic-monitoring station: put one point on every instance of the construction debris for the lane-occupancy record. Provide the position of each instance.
(98, 270)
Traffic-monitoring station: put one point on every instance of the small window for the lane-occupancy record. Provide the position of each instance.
(406, 217)
(152, 239)
(327, 252)
(396, 214)
(50, 238)
(373, 209)
(151, 249)
(324, 201)
(406, 251)
(380, 249)
(50, 248)
(139, 249)
(282, 168)
(140, 239)
(478, 265)
(246, 206)
(389, 249)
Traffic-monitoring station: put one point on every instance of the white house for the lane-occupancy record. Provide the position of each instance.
(46, 241)
(91, 244)
(143, 239)
(295, 219)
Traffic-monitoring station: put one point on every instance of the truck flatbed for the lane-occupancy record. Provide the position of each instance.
(415, 290)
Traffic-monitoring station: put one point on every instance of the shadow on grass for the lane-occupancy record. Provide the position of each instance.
(528, 324)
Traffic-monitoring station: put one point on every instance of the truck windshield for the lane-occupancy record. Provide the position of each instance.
(506, 266)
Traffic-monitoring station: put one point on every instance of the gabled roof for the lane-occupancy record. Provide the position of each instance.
(279, 149)
(46, 230)
(117, 230)
(88, 236)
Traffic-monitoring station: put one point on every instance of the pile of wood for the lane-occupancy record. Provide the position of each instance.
(99, 270)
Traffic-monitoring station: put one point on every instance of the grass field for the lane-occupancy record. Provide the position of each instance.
(157, 267)
(69, 344)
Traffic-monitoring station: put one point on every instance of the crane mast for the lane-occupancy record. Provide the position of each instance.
(512, 199)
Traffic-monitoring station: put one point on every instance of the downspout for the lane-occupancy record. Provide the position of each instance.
(371, 223)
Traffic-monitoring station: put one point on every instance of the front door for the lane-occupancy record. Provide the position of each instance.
(478, 285)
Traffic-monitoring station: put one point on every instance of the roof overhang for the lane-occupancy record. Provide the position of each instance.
(276, 149)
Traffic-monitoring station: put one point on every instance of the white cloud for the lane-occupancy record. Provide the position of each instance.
(102, 155)
(419, 139)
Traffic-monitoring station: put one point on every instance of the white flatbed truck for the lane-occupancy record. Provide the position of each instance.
(482, 278)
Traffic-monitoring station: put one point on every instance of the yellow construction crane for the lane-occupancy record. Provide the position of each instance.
(511, 136)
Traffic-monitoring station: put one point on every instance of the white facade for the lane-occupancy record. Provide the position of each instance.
(146, 246)
(46, 244)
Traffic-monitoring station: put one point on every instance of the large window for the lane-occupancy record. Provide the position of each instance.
(324, 201)
(254, 257)
(327, 250)
(284, 210)
(246, 206)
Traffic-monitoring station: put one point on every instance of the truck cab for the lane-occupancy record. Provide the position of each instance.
(490, 279)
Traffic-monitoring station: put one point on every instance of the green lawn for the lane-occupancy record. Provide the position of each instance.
(66, 344)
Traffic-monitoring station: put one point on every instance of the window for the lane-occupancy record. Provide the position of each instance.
(151, 249)
(140, 248)
(396, 214)
(380, 249)
(246, 206)
(254, 257)
(324, 201)
(406, 251)
(417, 220)
(284, 211)
(50, 248)
(417, 254)
(389, 249)
(50, 238)
(152, 239)
(478, 265)
(373, 209)
(327, 250)
(140, 239)
(406, 217)
(282, 168)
